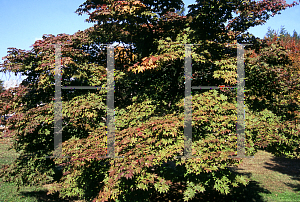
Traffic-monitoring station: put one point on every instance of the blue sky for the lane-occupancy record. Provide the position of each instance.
(24, 22)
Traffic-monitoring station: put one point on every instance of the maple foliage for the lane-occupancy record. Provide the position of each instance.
(283, 99)
(149, 100)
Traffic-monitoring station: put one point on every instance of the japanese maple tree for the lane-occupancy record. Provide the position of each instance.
(149, 99)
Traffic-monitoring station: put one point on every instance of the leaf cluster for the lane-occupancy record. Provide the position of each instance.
(149, 100)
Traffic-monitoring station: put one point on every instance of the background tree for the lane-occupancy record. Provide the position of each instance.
(295, 35)
(288, 103)
(3, 100)
(149, 100)
(271, 33)
(181, 11)
(2, 89)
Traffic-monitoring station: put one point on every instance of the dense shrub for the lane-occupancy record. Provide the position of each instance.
(149, 101)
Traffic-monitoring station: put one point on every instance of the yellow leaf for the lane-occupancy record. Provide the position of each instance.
(126, 8)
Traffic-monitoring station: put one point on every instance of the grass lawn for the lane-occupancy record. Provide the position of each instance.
(272, 179)
(279, 177)
(9, 192)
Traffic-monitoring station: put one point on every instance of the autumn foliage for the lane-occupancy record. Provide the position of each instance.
(149, 100)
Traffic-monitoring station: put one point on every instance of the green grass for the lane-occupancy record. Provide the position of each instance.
(9, 190)
(279, 177)
(272, 179)
(9, 193)
(286, 196)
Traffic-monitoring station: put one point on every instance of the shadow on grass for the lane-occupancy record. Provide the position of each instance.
(246, 194)
(296, 187)
(42, 196)
(290, 167)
